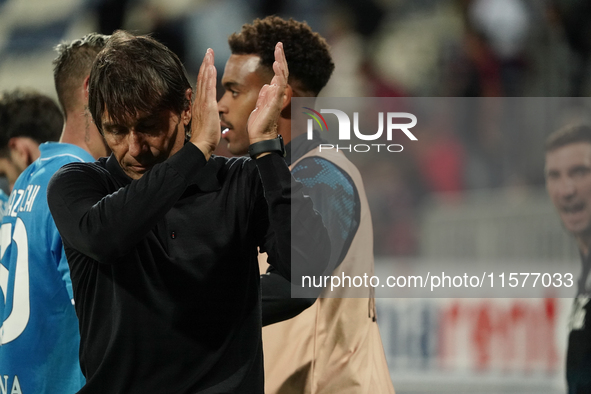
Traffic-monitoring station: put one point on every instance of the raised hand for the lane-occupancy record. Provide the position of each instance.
(205, 124)
(262, 123)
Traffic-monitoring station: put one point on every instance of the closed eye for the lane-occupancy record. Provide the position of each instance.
(115, 130)
(153, 124)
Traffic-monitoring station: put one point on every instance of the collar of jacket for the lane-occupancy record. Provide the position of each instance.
(205, 180)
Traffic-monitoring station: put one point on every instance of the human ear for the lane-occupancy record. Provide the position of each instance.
(20, 152)
(286, 105)
(86, 81)
(186, 114)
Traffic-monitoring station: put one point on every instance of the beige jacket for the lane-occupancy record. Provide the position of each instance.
(333, 347)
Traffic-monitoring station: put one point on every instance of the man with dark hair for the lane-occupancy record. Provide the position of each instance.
(40, 342)
(334, 345)
(27, 119)
(310, 68)
(162, 236)
(568, 181)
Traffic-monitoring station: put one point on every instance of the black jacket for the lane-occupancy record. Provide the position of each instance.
(164, 268)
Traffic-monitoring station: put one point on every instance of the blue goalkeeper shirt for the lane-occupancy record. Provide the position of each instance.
(39, 335)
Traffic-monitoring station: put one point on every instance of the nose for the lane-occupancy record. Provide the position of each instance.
(136, 143)
(566, 187)
(222, 105)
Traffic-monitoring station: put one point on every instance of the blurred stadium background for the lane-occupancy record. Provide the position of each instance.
(469, 195)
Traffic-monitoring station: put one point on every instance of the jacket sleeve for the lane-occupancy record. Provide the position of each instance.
(104, 225)
(295, 238)
(336, 198)
(278, 305)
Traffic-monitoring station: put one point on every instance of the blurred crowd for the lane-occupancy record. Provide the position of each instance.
(469, 48)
